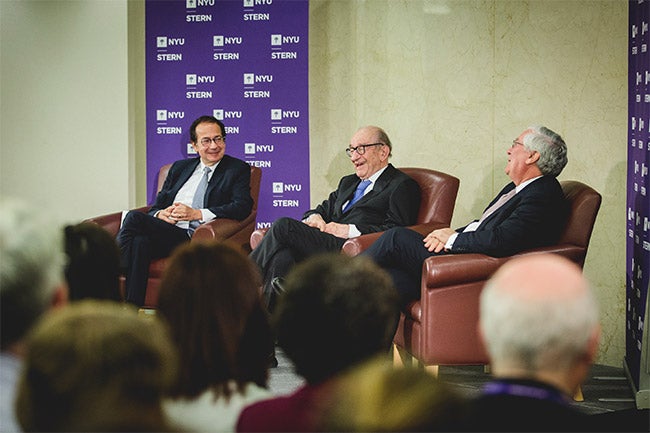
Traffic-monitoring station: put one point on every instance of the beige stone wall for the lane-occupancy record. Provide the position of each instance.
(454, 82)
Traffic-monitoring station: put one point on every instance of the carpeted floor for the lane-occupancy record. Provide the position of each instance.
(606, 390)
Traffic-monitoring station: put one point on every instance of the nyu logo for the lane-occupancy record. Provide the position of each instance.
(281, 187)
(164, 42)
(222, 114)
(251, 3)
(163, 115)
(192, 4)
(277, 40)
(194, 79)
(252, 148)
(279, 114)
(252, 78)
(221, 40)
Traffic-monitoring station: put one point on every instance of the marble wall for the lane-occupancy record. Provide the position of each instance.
(454, 82)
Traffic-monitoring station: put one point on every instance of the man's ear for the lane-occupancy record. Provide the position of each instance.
(533, 158)
(60, 296)
(592, 345)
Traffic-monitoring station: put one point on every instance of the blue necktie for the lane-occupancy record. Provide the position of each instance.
(199, 197)
(357, 194)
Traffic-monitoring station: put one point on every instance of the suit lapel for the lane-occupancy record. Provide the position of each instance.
(185, 174)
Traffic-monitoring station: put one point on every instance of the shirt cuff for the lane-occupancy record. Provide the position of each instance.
(450, 241)
(353, 232)
(207, 215)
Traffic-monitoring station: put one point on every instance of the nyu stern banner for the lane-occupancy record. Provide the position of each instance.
(244, 62)
(637, 361)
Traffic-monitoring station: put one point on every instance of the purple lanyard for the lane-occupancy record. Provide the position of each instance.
(515, 389)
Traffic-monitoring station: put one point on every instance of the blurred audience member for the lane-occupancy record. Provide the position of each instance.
(93, 267)
(31, 282)
(539, 323)
(376, 397)
(95, 366)
(336, 312)
(210, 295)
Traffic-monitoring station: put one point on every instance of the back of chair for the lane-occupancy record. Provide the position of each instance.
(438, 194)
(162, 175)
(584, 205)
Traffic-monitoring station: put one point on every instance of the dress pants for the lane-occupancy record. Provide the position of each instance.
(401, 252)
(141, 239)
(286, 243)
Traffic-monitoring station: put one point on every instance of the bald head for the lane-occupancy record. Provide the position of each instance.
(538, 312)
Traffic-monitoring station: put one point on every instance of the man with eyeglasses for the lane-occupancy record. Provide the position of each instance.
(196, 190)
(529, 212)
(386, 198)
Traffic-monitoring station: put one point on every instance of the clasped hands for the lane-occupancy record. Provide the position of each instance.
(339, 230)
(179, 212)
(436, 240)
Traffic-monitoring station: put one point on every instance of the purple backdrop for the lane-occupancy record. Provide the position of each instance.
(246, 63)
(638, 182)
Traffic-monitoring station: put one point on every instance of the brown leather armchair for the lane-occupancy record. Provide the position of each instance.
(438, 198)
(441, 327)
(224, 229)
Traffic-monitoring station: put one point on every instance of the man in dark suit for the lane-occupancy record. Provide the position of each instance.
(197, 190)
(539, 323)
(528, 212)
(387, 199)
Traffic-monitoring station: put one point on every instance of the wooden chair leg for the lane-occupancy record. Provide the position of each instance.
(578, 395)
(401, 356)
(432, 370)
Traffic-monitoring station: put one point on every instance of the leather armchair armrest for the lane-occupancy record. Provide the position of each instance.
(358, 244)
(111, 222)
(219, 229)
(256, 237)
(457, 269)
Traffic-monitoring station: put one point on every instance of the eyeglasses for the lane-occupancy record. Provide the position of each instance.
(360, 149)
(218, 139)
(515, 142)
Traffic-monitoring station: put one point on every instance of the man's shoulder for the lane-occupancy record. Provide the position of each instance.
(395, 174)
(231, 161)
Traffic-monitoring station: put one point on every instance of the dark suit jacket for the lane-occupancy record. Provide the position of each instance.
(534, 217)
(504, 412)
(393, 201)
(228, 194)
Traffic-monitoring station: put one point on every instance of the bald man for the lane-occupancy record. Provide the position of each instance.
(539, 323)
(387, 198)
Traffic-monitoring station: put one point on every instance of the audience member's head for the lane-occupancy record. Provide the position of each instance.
(93, 267)
(335, 313)
(95, 366)
(539, 320)
(210, 295)
(31, 269)
(375, 397)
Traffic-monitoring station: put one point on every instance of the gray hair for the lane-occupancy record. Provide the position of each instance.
(551, 148)
(532, 335)
(382, 137)
(31, 266)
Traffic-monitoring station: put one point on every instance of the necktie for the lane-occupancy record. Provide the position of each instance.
(199, 197)
(357, 194)
(497, 204)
